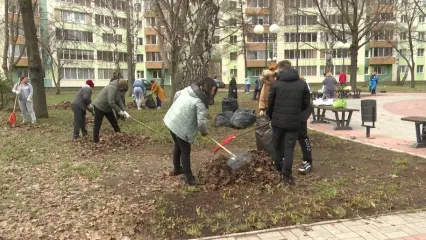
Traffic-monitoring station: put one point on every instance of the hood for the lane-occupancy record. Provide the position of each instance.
(86, 86)
(195, 91)
(289, 75)
(114, 83)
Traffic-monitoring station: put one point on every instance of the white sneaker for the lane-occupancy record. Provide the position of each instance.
(158, 107)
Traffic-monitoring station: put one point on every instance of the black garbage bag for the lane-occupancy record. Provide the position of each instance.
(243, 118)
(264, 140)
(150, 102)
(222, 119)
(229, 104)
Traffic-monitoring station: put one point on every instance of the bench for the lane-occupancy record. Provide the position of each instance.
(356, 93)
(343, 122)
(341, 93)
(419, 123)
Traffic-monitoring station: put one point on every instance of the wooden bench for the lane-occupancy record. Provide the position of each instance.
(356, 93)
(343, 122)
(341, 93)
(420, 130)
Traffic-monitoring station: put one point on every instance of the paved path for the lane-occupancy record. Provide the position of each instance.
(408, 226)
(390, 131)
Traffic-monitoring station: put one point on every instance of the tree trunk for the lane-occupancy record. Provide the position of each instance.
(130, 52)
(244, 38)
(398, 75)
(412, 75)
(35, 65)
(6, 38)
(354, 60)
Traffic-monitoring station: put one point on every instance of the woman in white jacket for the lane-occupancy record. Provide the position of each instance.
(24, 90)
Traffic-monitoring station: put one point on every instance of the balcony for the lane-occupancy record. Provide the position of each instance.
(23, 62)
(386, 9)
(379, 44)
(150, 31)
(256, 63)
(257, 11)
(382, 60)
(257, 46)
(151, 48)
(153, 65)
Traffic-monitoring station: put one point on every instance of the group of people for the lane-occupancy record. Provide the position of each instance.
(141, 95)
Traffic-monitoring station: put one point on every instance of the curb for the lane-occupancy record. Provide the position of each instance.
(369, 144)
(307, 225)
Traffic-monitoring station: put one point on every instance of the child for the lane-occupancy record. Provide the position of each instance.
(107, 101)
(159, 92)
(24, 90)
(80, 104)
(138, 91)
(185, 118)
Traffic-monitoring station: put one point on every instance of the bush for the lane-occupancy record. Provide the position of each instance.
(5, 92)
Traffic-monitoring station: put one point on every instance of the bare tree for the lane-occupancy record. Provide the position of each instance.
(34, 59)
(359, 18)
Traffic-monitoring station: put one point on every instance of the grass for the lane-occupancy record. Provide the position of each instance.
(47, 186)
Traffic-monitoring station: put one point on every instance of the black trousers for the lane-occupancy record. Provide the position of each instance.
(182, 156)
(255, 93)
(99, 116)
(305, 144)
(79, 121)
(284, 143)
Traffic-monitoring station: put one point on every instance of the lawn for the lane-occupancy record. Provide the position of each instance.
(55, 188)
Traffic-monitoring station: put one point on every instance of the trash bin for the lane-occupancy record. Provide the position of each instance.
(368, 114)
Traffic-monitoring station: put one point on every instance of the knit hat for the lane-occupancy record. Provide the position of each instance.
(90, 83)
(122, 85)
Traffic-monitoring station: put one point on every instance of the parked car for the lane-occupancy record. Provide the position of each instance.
(146, 83)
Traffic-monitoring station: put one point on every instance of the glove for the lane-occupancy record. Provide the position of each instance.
(90, 107)
(17, 92)
(261, 113)
(127, 115)
(29, 99)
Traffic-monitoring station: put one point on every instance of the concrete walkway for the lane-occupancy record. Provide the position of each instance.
(408, 226)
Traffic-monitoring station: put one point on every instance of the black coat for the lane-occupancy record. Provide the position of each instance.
(232, 93)
(288, 98)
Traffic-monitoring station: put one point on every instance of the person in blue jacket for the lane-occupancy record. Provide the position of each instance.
(138, 91)
(374, 81)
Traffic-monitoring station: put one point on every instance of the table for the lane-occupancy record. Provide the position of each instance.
(343, 121)
(419, 124)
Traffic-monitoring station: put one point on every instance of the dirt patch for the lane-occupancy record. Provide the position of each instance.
(64, 105)
(111, 142)
(349, 180)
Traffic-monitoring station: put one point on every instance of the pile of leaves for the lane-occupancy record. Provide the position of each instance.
(132, 105)
(216, 174)
(64, 105)
(111, 142)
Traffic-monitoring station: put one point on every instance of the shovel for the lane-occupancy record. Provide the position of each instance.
(236, 161)
(12, 117)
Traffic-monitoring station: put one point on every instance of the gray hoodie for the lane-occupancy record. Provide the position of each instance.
(330, 84)
(26, 90)
(109, 99)
(83, 97)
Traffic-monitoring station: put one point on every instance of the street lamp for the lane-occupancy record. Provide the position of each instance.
(273, 30)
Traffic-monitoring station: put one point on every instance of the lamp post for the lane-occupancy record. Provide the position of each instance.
(273, 30)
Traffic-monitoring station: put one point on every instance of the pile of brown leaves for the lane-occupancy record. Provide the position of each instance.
(111, 142)
(216, 174)
(61, 106)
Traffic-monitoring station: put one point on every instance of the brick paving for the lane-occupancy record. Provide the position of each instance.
(407, 226)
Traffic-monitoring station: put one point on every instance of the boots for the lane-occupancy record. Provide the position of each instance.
(191, 181)
(176, 171)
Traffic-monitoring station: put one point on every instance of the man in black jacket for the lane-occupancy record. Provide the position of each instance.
(288, 98)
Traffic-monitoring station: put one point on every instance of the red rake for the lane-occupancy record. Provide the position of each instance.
(12, 117)
(234, 135)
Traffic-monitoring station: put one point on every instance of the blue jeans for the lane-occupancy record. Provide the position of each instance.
(158, 102)
(247, 87)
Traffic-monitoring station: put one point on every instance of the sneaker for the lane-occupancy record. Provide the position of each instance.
(305, 168)
(158, 107)
(289, 181)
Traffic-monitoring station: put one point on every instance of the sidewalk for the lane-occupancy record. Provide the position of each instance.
(408, 226)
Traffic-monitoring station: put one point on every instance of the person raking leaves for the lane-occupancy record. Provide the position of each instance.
(187, 116)
(24, 90)
(107, 101)
(79, 105)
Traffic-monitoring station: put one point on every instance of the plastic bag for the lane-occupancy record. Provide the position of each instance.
(243, 118)
(264, 139)
(240, 160)
(341, 103)
(149, 102)
(347, 88)
(222, 119)
(229, 104)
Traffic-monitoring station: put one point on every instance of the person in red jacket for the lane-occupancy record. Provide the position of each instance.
(342, 79)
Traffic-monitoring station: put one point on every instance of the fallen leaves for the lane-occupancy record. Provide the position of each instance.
(64, 105)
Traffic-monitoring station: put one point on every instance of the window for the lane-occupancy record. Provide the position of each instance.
(233, 56)
(381, 52)
(153, 57)
(366, 70)
(139, 58)
(104, 74)
(18, 50)
(338, 53)
(140, 41)
(108, 21)
(109, 38)
(303, 20)
(258, 3)
(156, 74)
(74, 35)
(386, 17)
(422, 19)
(140, 74)
(421, 52)
(419, 68)
(256, 72)
(78, 2)
(150, 21)
(404, 52)
(307, 70)
(232, 4)
(110, 56)
(303, 53)
(75, 54)
(233, 39)
(380, 70)
(251, 37)
(111, 4)
(232, 22)
(404, 18)
(422, 36)
(403, 68)
(216, 39)
(74, 17)
(258, 19)
(256, 55)
(78, 73)
(22, 72)
(234, 73)
(151, 39)
(403, 36)
(302, 37)
(382, 35)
